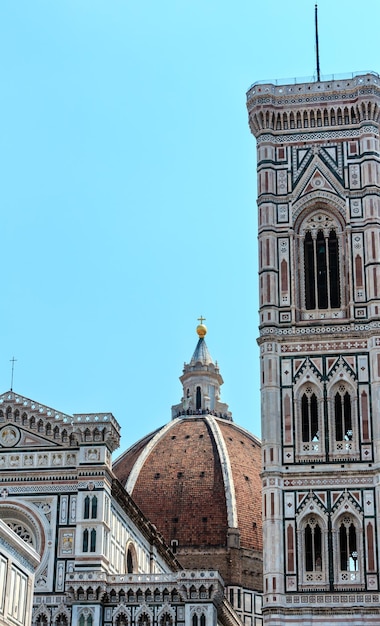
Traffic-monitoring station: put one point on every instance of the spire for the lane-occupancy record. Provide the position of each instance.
(201, 382)
(201, 353)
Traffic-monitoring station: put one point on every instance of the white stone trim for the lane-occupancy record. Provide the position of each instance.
(133, 476)
(229, 488)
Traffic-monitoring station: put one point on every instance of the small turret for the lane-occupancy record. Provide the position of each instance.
(201, 382)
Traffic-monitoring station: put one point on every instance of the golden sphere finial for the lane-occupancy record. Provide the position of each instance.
(201, 328)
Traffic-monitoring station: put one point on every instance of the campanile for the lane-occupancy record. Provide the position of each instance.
(319, 283)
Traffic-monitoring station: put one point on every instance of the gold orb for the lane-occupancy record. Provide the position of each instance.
(201, 330)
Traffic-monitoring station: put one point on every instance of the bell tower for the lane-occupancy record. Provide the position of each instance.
(319, 284)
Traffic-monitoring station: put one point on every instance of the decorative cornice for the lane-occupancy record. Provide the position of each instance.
(315, 135)
(330, 329)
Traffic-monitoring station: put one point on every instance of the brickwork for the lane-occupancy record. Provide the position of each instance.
(180, 486)
(245, 454)
(125, 462)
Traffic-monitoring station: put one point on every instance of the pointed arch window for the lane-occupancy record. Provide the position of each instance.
(348, 553)
(166, 620)
(348, 550)
(344, 432)
(310, 422)
(129, 562)
(343, 417)
(321, 257)
(313, 552)
(143, 620)
(313, 546)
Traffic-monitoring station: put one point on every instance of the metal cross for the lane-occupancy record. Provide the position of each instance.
(201, 319)
(13, 360)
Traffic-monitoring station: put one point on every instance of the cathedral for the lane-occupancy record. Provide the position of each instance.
(200, 523)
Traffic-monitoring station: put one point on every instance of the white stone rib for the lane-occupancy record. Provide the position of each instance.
(229, 487)
(130, 484)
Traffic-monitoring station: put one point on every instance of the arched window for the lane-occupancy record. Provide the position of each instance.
(89, 540)
(93, 541)
(143, 620)
(85, 541)
(86, 512)
(310, 426)
(129, 562)
(309, 423)
(348, 552)
(166, 620)
(61, 620)
(194, 620)
(321, 270)
(94, 507)
(344, 432)
(348, 549)
(198, 398)
(343, 418)
(313, 555)
(313, 546)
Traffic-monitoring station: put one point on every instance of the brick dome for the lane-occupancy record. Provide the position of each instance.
(198, 479)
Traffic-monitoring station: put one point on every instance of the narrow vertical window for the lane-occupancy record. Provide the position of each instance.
(94, 507)
(313, 546)
(309, 272)
(347, 546)
(85, 541)
(334, 271)
(305, 418)
(309, 409)
(129, 562)
(93, 541)
(198, 399)
(321, 271)
(343, 418)
(86, 513)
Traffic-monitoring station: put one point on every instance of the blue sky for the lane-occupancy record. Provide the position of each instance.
(128, 190)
